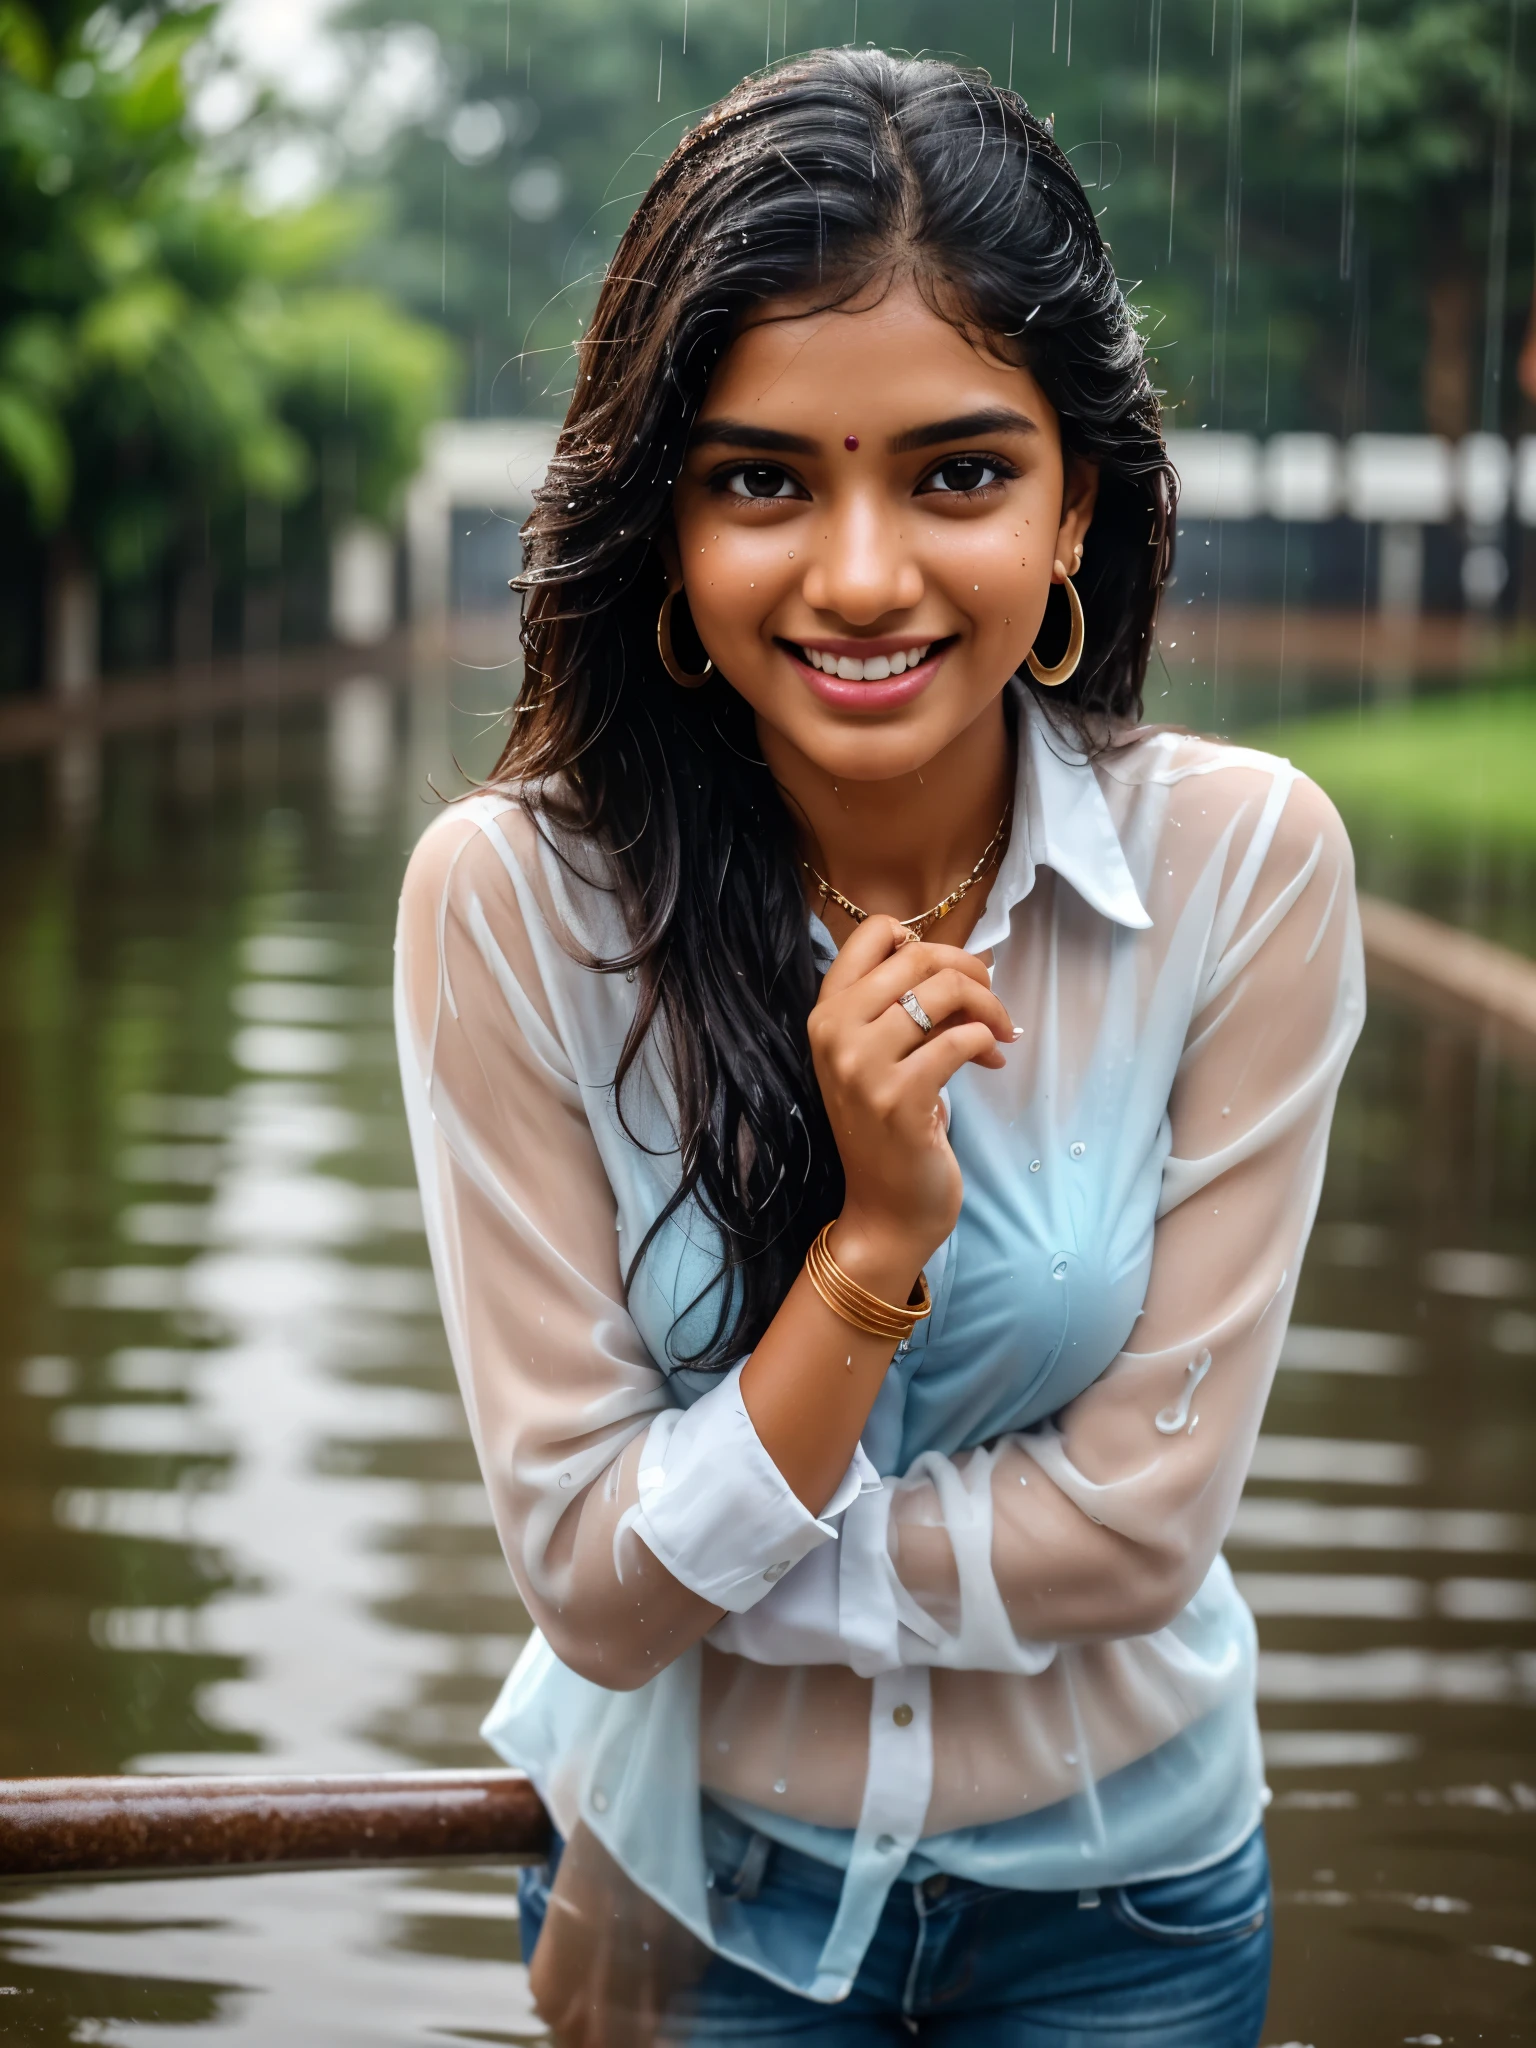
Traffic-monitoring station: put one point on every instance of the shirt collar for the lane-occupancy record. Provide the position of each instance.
(1061, 822)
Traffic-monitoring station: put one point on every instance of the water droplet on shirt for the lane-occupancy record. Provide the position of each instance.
(1172, 1419)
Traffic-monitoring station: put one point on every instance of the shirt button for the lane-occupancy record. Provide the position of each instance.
(775, 1572)
(599, 1802)
(884, 1844)
(1078, 1149)
(902, 1715)
(936, 1886)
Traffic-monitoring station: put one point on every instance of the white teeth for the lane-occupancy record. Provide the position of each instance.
(848, 669)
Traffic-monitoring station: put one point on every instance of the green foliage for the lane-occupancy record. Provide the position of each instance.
(1329, 184)
(1444, 769)
(1338, 170)
(166, 354)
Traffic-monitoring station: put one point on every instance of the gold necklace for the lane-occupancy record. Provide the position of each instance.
(918, 926)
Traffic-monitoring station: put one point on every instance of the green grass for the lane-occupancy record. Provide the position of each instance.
(1437, 768)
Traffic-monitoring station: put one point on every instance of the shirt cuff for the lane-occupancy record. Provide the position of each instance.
(716, 1510)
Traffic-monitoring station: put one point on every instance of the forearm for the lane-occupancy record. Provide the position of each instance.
(812, 1378)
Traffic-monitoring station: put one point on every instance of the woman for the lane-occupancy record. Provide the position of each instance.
(870, 1100)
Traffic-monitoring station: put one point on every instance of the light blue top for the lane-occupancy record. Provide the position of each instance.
(1054, 1457)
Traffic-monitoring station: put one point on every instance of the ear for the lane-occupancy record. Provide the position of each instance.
(1079, 495)
(671, 560)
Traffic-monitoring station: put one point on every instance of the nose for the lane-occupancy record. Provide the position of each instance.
(862, 568)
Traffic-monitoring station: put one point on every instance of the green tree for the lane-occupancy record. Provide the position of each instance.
(168, 358)
(1350, 195)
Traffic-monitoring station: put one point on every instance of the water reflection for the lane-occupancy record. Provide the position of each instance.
(245, 1528)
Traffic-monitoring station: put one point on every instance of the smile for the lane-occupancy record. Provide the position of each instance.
(890, 673)
(873, 669)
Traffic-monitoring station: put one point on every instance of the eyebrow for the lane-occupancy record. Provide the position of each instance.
(741, 434)
(967, 426)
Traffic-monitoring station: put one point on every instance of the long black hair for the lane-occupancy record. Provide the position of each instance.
(828, 174)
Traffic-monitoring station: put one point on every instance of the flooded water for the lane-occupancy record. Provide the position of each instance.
(243, 1526)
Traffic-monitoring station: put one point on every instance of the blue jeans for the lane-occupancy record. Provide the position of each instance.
(1181, 1962)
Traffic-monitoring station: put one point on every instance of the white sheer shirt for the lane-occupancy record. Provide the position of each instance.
(1009, 1645)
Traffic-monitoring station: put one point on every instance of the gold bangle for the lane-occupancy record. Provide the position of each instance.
(855, 1304)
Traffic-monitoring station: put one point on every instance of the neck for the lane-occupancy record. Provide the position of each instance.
(898, 846)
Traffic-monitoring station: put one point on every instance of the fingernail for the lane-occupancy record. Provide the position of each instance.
(1018, 1033)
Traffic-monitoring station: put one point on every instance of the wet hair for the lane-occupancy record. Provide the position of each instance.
(832, 175)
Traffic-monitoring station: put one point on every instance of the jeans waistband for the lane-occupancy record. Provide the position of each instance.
(738, 1856)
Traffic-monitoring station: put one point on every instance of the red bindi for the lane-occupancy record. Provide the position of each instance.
(850, 442)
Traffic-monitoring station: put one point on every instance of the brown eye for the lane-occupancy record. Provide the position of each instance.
(963, 474)
(761, 480)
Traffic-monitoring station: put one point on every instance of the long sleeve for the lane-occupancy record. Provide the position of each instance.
(1103, 1521)
(630, 1523)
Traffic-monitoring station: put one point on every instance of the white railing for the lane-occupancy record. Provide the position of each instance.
(1415, 479)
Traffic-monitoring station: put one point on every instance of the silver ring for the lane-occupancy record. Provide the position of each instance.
(916, 1012)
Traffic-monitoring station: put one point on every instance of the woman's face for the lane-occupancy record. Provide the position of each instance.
(865, 525)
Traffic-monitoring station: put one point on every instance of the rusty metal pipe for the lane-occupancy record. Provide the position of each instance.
(73, 1827)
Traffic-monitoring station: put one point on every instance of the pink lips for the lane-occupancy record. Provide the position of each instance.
(881, 696)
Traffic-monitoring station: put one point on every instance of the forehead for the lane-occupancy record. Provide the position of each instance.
(890, 359)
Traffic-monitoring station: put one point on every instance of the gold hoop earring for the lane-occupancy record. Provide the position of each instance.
(1049, 678)
(685, 679)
